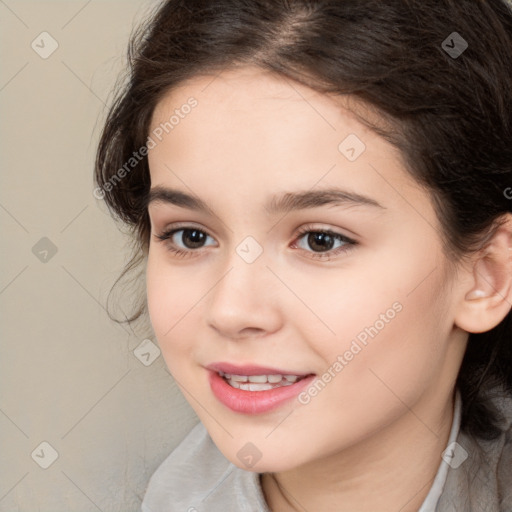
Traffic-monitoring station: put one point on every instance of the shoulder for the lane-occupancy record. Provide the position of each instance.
(504, 465)
(482, 477)
(196, 477)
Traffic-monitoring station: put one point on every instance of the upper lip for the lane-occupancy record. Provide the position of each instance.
(251, 369)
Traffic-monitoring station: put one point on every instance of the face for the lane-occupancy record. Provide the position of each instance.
(315, 255)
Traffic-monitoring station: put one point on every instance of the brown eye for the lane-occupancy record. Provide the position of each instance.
(188, 243)
(323, 244)
(192, 238)
(320, 241)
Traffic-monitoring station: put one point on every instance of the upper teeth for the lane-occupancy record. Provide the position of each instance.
(259, 378)
(258, 382)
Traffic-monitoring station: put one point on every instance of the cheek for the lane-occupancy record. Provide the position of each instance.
(396, 349)
(391, 316)
(171, 298)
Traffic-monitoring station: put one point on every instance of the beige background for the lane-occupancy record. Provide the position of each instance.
(69, 376)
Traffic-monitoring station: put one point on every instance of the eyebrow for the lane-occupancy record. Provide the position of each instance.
(284, 203)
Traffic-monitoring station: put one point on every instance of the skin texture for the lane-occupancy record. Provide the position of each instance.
(372, 438)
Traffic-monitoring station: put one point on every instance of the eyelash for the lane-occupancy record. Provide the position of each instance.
(181, 253)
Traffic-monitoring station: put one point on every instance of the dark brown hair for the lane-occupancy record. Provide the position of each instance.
(449, 114)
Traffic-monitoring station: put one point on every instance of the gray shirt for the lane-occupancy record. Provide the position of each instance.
(473, 476)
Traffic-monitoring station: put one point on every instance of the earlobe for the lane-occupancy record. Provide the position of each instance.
(489, 297)
(475, 293)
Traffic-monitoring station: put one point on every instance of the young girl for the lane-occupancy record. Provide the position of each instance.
(321, 193)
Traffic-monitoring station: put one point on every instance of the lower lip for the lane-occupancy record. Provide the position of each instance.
(255, 402)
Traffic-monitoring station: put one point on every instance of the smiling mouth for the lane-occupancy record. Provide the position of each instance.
(260, 382)
(250, 389)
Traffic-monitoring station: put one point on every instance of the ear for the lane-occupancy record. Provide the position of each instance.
(487, 291)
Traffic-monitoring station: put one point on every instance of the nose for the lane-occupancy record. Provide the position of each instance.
(244, 301)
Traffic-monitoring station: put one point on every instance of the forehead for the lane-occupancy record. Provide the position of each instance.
(261, 94)
(262, 133)
(256, 110)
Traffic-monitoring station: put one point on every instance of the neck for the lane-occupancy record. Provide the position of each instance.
(391, 470)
